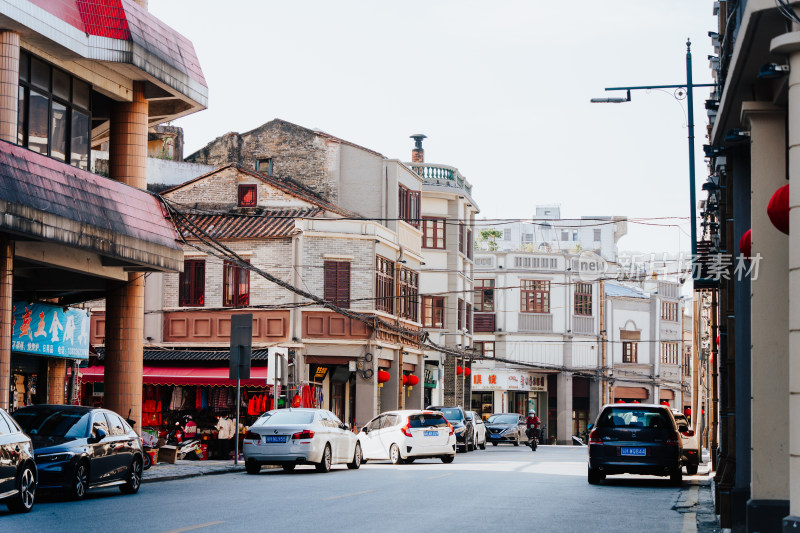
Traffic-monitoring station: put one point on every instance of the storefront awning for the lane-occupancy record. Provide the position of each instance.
(168, 375)
(630, 393)
(666, 394)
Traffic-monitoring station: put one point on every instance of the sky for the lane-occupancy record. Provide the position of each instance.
(501, 89)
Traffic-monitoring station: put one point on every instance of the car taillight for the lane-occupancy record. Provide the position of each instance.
(594, 438)
(676, 438)
(405, 430)
(688, 433)
(450, 427)
(305, 434)
(252, 436)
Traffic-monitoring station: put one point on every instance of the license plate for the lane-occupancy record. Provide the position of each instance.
(494, 436)
(636, 452)
(275, 438)
(431, 433)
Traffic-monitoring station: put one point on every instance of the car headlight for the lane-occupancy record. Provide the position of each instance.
(53, 457)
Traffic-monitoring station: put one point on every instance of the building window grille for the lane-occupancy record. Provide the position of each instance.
(535, 296)
(248, 195)
(583, 299)
(669, 353)
(408, 297)
(384, 285)
(669, 311)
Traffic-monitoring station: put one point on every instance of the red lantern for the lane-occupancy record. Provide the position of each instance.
(687, 411)
(620, 401)
(778, 209)
(296, 401)
(405, 379)
(459, 370)
(746, 244)
(468, 371)
(717, 341)
(383, 376)
(413, 380)
(664, 402)
(635, 401)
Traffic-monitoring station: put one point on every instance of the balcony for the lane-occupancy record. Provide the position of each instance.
(441, 175)
(535, 323)
(583, 325)
(483, 322)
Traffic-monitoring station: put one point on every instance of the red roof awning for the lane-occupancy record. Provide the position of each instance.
(170, 375)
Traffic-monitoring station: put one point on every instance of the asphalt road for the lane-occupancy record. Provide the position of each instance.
(501, 488)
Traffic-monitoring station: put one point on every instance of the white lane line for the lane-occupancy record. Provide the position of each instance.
(689, 523)
(441, 476)
(339, 497)
(198, 526)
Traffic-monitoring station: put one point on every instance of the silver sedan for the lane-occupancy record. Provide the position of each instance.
(291, 437)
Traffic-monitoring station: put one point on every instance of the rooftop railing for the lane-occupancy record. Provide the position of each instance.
(441, 175)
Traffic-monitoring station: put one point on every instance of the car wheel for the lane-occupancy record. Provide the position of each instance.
(22, 502)
(593, 477)
(324, 465)
(448, 458)
(691, 470)
(356, 462)
(80, 481)
(134, 480)
(516, 442)
(676, 477)
(394, 454)
(288, 467)
(148, 461)
(482, 445)
(252, 467)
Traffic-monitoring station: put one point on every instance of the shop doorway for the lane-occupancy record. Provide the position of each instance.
(518, 402)
(483, 403)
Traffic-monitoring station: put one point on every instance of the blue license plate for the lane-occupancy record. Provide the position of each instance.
(635, 452)
(494, 436)
(431, 433)
(275, 438)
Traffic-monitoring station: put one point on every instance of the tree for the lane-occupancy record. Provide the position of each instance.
(490, 236)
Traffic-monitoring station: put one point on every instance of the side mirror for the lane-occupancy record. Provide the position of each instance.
(589, 426)
(365, 429)
(98, 435)
(345, 427)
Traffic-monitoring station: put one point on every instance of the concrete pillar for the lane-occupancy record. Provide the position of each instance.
(56, 381)
(415, 397)
(391, 389)
(6, 317)
(367, 396)
(769, 326)
(9, 85)
(564, 406)
(595, 402)
(125, 302)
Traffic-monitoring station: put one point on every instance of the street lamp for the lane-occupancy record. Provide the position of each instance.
(688, 86)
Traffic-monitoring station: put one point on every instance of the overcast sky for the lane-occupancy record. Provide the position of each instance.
(501, 89)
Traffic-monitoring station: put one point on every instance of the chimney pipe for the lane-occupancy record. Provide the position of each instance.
(418, 154)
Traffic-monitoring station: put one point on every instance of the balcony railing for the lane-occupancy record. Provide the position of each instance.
(583, 325)
(535, 323)
(441, 175)
(483, 322)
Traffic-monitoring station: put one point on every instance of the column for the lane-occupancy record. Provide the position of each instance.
(564, 406)
(56, 381)
(125, 301)
(9, 85)
(415, 397)
(6, 279)
(391, 389)
(366, 395)
(769, 326)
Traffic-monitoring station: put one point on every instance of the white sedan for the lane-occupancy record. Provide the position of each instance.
(291, 437)
(402, 436)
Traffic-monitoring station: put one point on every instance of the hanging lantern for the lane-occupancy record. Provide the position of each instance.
(405, 380)
(664, 402)
(687, 411)
(296, 401)
(778, 209)
(413, 380)
(467, 371)
(459, 370)
(383, 377)
(746, 244)
(620, 401)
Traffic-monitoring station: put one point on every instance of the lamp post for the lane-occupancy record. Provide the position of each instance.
(689, 96)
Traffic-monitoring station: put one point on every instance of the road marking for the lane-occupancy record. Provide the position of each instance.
(689, 523)
(198, 526)
(347, 495)
(441, 476)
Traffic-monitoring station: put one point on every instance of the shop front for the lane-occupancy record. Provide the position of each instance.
(497, 391)
(630, 395)
(331, 386)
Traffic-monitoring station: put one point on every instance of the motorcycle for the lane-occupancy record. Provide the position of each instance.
(533, 438)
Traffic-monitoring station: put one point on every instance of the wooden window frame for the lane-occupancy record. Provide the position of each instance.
(669, 353)
(460, 315)
(235, 285)
(242, 192)
(192, 283)
(433, 312)
(535, 296)
(483, 345)
(337, 283)
(583, 299)
(630, 352)
(469, 318)
(483, 293)
(669, 311)
(408, 294)
(435, 230)
(384, 284)
(409, 203)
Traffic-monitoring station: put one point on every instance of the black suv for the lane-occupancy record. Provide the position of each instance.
(17, 469)
(462, 426)
(635, 439)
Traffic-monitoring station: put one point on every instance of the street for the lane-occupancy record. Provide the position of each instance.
(504, 487)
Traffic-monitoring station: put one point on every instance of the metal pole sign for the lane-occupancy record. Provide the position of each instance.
(241, 348)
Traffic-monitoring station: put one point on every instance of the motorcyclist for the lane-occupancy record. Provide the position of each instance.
(532, 423)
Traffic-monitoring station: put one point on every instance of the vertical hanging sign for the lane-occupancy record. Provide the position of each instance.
(241, 347)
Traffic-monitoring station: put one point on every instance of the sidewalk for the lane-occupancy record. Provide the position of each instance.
(697, 504)
(185, 469)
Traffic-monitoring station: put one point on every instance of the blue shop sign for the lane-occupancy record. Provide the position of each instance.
(44, 329)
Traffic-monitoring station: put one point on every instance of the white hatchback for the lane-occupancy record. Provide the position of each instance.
(291, 437)
(402, 436)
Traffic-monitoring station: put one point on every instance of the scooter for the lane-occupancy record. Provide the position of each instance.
(533, 438)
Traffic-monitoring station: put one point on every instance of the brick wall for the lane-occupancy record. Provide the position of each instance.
(362, 266)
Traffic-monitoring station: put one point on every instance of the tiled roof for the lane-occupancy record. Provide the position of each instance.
(191, 355)
(49, 200)
(272, 224)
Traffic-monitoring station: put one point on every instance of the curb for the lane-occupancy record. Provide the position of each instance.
(231, 470)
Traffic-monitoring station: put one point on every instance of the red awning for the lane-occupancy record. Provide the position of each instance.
(170, 375)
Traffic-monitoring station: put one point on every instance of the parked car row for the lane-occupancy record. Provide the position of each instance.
(66, 448)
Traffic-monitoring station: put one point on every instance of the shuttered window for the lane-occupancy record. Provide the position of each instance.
(337, 282)
(192, 283)
(235, 286)
(409, 205)
(583, 299)
(408, 294)
(384, 284)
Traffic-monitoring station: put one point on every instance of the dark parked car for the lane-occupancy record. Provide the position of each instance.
(463, 428)
(506, 427)
(79, 448)
(17, 468)
(635, 439)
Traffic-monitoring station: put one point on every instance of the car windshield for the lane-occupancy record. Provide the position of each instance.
(451, 414)
(282, 416)
(634, 417)
(503, 419)
(55, 424)
(426, 421)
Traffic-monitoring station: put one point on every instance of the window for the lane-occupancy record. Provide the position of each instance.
(460, 314)
(669, 311)
(583, 299)
(629, 354)
(485, 348)
(235, 286)
(535, 296)
(461, 241)
(687, 361)
(115, 425)
(53, 117)
(264, 166)
(669, 353)
(506, 234)
(433, 233)
(384, 284)
(484, 296)
(597, 235)
(408, 298)
(469, 318)
(192, 283)
(564, 235)
(99, 422)
(470, 246)
(337, 282)
(248, 195)
(527, 237)
(409, 205)
(433, 311)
